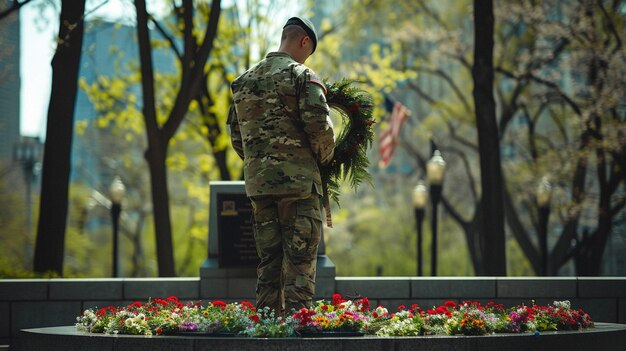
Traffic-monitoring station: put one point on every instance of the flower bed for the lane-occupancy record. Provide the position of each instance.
(337, 316)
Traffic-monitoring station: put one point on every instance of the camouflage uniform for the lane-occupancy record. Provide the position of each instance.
(280, 127)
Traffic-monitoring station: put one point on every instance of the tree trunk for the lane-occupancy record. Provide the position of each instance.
(157, 151)
(192, 66)
(492, 206)
(161, 211)
(57, 150)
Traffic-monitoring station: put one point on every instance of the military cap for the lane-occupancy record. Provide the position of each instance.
(308, 27)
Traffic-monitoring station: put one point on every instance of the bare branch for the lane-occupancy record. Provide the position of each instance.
(509, 109)
(431, 101)
(196, 72)
(555, 87)
(559, 125)
(455, 88)
(460, 139)
(16, 5)
(468, 170)
(619, 206)
(167, 36)
(519, 232)
(432, 14)
(611, 27)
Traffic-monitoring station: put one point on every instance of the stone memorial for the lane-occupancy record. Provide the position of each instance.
(229, 272)
(236, 248)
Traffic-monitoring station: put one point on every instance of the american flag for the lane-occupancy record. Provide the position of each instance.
(389, 138)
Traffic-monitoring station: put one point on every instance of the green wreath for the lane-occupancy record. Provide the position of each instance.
(350, 158)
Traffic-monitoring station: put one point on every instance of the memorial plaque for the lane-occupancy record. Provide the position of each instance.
(234, 228)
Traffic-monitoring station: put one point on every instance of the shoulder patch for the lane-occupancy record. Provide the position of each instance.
(314, 78)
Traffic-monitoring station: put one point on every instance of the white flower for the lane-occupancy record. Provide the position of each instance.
(562, 304)
(381, 311)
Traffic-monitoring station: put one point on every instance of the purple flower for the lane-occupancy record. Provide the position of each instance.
(517, 321)
(188, 326)
(515, 317)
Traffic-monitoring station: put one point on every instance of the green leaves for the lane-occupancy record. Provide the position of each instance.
(350, 161)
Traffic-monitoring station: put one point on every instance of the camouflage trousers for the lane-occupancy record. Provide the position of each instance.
(287, 232)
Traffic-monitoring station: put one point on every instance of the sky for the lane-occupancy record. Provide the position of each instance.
(36, 53)
(38, 28)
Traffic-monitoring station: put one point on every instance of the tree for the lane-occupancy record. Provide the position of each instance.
(160, 134)
(428, 46)
(538, 45)
(491, 207)
(586, 47)
(200, 149)
(56, 162)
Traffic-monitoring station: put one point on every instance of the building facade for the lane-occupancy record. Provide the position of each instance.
(9, 84)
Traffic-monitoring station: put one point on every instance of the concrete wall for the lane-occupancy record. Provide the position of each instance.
(54, 302)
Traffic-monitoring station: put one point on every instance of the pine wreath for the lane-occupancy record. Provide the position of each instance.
(350, 158)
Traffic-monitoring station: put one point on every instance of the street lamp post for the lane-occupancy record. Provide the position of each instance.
(544, 196)
(118, 191)
(420, 197)
(435, 169)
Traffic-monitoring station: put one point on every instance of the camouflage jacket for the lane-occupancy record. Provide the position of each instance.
(280, 127)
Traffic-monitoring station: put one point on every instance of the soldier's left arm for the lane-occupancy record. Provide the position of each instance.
(314, 112)
(235, 133)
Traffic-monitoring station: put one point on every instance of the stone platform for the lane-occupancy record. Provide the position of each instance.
(606, 337)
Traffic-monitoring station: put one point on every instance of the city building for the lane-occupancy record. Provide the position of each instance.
(9, 85)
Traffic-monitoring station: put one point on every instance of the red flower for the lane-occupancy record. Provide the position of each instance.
(337, 299)
(159, 331)
(365, 304)
(135, 304)
(324, 307)
(254, 318)
(450, 304)
(218, 303)
(161, 302)
(304, 316)
(247, 304)
(416, 308)
(103, 311)
(401, 308)
(172, 299)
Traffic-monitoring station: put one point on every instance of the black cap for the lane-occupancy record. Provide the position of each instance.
(308, 27)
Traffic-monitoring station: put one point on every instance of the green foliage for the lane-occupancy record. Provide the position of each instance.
(544, 56)
(350, 161)
(189, 160)
(373, 232)
(17, 243)
(419, 52)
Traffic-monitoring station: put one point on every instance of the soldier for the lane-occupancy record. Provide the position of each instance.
(280, 127)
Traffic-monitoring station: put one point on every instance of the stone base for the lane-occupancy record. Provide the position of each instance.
(605, 337)
(240, 283)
